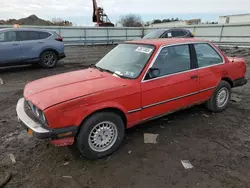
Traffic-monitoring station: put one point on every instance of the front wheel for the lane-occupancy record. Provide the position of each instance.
(220, 98)
(100, 135)
(48, 59)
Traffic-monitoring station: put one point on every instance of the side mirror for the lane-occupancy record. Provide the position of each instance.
(154, 72)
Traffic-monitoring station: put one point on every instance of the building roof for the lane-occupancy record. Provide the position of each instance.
(161, 42)
(247, 14)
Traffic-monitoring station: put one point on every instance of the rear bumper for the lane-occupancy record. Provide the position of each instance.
(239, 82)
(62, 55)
(37, 129)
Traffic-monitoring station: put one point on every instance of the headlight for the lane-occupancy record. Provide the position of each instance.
(44, 118)
(37, 112)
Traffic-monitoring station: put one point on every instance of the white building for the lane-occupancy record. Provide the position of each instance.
(176, 23)
(236, 18)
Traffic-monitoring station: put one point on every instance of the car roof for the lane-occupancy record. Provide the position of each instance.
(24, 29)
(166, 41)
(166, 29)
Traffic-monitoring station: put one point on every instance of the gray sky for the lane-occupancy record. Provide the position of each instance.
(80, 11)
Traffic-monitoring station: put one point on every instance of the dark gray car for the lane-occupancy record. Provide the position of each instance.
(168, 33)
(25, 46)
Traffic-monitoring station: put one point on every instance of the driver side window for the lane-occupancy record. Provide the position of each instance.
(171, 60)
(8, 36)
(2, 37)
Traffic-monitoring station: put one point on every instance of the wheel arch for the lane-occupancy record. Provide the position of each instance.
(49, 49)
(227, 79)
(106, 109)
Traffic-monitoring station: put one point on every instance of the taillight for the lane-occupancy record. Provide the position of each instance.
(59, 39)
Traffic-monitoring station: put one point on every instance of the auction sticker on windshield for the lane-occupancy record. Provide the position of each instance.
(144, 50)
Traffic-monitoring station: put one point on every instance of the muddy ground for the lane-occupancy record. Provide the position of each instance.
(217, 145)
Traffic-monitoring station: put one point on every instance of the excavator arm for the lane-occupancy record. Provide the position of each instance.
(100, 17)
(94, 19)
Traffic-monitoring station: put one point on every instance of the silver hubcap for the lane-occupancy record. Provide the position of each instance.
(103, 136)
(49, 60)
(222, 97)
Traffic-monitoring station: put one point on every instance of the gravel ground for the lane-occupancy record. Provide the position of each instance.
(217, 145)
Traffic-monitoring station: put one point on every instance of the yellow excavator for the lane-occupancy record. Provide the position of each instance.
(99, 17)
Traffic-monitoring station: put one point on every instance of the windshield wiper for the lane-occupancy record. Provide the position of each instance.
(99, 68)
(109, 71)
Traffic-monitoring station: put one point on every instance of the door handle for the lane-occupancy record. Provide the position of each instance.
(15, 44)
(194, 77)
(40, 42)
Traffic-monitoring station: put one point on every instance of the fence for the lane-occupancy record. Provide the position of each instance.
(236, 34)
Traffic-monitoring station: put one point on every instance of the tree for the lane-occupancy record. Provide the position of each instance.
(147, 24)
(157, 21)
(131, 20)
(166, 20)
(61, 22)
(56, 20)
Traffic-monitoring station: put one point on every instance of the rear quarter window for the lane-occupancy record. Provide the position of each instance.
(44, 35)
(207, 55)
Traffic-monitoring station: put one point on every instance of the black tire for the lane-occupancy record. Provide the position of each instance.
(213, 103)
(48, 59)
(83, 142)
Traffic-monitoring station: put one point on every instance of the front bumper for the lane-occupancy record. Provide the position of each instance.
(37, 129)
(239, 82)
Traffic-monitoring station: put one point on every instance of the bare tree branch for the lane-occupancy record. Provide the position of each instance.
(131, 20)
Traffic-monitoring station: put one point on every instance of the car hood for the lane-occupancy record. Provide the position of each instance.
(53, 90)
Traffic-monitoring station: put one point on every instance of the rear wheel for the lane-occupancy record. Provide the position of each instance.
(48, 59)
(220, 98)
(100, 135)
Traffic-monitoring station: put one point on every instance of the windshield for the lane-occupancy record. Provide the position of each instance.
(154, 34)
(126, 60)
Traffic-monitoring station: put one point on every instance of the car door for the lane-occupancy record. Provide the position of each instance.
(31, 44)
(10, 49)
(175, 87)
(210, 68)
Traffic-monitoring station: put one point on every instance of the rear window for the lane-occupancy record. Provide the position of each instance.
(44, 35)
(56, 34)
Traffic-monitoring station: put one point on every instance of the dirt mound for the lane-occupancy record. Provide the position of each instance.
(33, 20)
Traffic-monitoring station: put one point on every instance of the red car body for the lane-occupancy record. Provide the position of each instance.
(68, 99)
